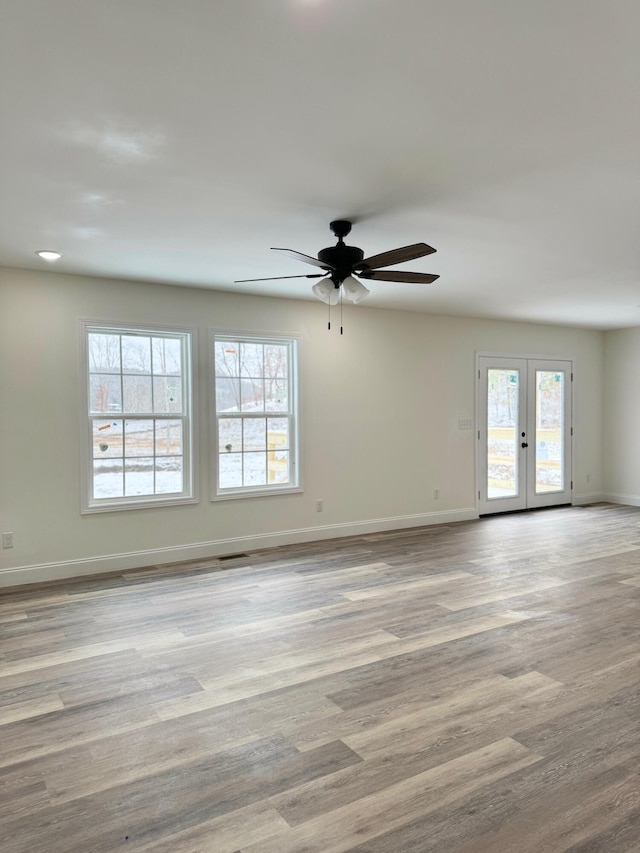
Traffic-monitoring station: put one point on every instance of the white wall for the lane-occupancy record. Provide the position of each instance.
(621, 451)
(380, 410)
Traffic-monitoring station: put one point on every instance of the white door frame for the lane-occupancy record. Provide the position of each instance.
(527, 498)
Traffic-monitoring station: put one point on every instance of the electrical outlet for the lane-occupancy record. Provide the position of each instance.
(7, 540)
(319, 506)
(436, 494)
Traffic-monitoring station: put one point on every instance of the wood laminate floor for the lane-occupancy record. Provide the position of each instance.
(470, 688)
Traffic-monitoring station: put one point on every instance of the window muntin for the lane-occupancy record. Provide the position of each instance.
(255, 414)
(139, 412)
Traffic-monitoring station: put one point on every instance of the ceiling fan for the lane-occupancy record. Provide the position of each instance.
(340, 263)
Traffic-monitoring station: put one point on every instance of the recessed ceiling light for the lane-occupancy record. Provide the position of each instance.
(46, 255)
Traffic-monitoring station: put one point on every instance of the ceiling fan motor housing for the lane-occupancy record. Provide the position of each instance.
(342, 258)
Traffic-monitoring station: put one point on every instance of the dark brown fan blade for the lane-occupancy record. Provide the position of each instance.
(397, 256)
(404, 277)
(275, 277)
(307, 259)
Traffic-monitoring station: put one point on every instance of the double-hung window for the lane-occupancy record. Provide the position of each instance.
(138, 410)
(255, 415)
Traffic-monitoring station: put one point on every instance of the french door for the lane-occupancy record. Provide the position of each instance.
(524, 433)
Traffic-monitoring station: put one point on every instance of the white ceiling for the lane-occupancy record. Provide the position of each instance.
(178, 141)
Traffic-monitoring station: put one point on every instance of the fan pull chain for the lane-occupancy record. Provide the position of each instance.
(329, 323)
(341, 310)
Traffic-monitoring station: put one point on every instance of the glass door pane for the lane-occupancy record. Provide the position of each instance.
(550, 431)
(503, 386)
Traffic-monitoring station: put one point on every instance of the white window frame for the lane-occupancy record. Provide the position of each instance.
(292, 414)
(187, 337)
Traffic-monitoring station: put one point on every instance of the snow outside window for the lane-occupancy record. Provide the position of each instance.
(255, 415)
(139, 423)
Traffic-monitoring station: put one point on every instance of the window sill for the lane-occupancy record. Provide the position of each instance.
(238, 494)
(118, 506)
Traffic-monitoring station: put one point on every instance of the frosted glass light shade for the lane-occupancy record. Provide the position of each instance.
(326, 291)
(354, 290)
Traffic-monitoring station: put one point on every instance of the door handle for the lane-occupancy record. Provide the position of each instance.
(524, 444)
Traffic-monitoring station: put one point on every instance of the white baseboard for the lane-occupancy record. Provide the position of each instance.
(20, 575)
(625, 500)
(589, 498)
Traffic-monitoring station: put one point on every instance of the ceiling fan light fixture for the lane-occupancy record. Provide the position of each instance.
(354, 290)
(326, 291)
